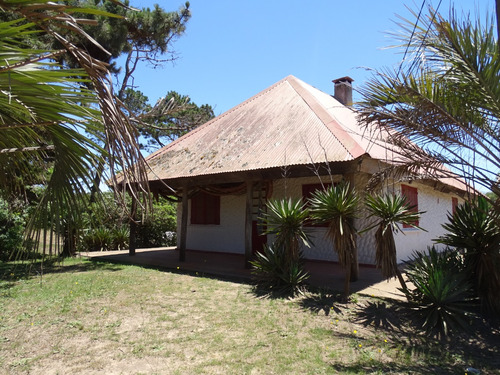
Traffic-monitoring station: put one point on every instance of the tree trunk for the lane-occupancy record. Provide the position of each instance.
(347, 283)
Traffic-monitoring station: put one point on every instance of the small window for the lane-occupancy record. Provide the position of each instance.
(205, 209)
(411, 194)
(454, 205)
(307, 192)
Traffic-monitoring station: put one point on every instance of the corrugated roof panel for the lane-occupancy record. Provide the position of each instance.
(272, 129)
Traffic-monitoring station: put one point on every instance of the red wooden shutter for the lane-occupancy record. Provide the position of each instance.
(454, 204)
(205, 209)
(411, 194)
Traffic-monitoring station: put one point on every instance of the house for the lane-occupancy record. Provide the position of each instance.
(286, 141)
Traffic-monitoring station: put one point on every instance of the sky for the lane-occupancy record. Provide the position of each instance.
(233, 49)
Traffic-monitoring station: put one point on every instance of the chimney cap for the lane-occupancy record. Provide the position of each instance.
(343, 79)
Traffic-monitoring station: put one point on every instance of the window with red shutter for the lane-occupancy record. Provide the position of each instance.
(454, 205)
(205, 209)
(411, 194)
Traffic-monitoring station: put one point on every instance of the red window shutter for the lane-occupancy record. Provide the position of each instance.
(411, 194)
(454, 205)
(205, 209)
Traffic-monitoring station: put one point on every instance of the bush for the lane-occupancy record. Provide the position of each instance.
(271, 270)
(99, 239)
(443, 295)
(12, 226)
(163, 219)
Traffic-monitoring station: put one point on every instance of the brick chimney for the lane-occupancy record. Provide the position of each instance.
(343, 90)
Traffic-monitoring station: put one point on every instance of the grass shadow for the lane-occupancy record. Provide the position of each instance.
(14, 271)
(381, 315)
(320, 300)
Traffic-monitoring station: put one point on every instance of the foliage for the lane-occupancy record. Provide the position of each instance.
(12, 226)
(280, 266)
(444, 104)
(171, 117)
(389, 210)
(49, 114)
(272, 270)
(337, 207)
(474, 229)
(152, 232)
(442, 296)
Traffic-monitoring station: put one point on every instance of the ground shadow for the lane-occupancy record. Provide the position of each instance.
(322, 300)
(13, 271)
(380, 314)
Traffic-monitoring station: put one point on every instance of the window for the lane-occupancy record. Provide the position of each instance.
(307, 192)
(205, 209)
(411, 194)
(454, 205)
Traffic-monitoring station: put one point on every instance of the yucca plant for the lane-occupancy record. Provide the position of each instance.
(389, 211)
(442, 297)
(474, 229)
(280, 266)
(337, 207)
(285, 219)
(271, 271)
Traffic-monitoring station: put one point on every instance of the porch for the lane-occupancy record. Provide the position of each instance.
(323, 274)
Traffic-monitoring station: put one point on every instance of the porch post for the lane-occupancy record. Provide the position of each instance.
(184, 220)
(248, 224)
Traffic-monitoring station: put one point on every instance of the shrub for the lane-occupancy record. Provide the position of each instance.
(99, 239)
(272, 270)
(12, 226)
(120, 237)
(474, 229)
(442, 297)
(153, 232)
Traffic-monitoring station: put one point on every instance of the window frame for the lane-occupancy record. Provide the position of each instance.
(411, 195)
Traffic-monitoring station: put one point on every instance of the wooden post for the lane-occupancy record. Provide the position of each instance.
(184, 221)
(132, 243)
(248, 225)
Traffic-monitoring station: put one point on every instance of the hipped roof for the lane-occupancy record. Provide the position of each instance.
(290, 123)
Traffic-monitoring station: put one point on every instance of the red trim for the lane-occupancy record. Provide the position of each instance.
(411, 194)
(454, 205)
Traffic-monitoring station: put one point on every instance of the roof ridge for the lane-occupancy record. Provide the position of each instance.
(331, 123)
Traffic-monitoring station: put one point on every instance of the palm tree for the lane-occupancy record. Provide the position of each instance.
(443, 101)
(389, 210)
(337, 207)
(47, 112)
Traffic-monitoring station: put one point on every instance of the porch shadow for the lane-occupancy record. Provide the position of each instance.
(325, 275)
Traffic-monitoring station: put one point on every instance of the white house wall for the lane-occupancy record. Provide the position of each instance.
(228, 237)
(437, 206)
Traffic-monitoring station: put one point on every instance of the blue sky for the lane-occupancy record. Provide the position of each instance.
(234, 49)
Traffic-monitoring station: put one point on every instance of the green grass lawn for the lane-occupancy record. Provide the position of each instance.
(83, 317)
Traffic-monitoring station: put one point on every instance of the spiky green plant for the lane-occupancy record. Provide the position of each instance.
(442, 295)
(285, 219)
(272, 271)
(337, 207)
(474, 229)
(389, 211)
(280, 266)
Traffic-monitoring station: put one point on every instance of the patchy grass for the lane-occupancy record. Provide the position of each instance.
(94, 318)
